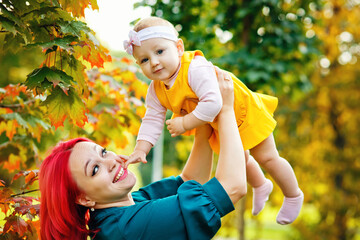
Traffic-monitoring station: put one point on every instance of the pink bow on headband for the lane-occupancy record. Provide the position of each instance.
(133, 40)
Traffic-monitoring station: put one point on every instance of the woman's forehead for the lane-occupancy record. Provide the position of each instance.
(82, 152)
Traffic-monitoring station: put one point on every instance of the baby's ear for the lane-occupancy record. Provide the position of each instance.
(180, 46)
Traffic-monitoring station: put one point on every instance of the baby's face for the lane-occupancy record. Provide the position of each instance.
(158, 58)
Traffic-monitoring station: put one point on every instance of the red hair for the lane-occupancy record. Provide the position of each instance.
(60, 216)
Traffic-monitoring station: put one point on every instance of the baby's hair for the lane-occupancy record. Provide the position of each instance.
(153, 21)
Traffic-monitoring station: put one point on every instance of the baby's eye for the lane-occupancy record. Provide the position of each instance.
(144, 60)
(160, 51)
(95, 170)
(103, 152)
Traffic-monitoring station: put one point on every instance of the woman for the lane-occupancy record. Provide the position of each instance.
(80, 175)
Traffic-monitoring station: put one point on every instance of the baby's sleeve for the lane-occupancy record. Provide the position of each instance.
(153, 122)
(203, 81)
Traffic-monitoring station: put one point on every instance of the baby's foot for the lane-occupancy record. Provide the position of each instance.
(260, 196)
(290, 209)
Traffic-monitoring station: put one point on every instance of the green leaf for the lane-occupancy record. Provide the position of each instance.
(7, 24)
(33, 121)
(17, 117)
(10, 15)
(76, 69)
(74, 28)
(63, 43)
(38, 12)
(40, 78)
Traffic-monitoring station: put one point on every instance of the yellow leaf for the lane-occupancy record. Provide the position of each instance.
(9, 128)
(13, 163)
(61, 106)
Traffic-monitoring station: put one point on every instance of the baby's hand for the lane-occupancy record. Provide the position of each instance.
(135, 157)
(176, 126)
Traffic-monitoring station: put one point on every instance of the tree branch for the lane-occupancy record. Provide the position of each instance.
(16, 105)
(23, 193)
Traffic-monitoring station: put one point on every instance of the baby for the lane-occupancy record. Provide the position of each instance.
(185, 83)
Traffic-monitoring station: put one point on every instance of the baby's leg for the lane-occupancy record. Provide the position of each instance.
(262, 187)
(268, 157)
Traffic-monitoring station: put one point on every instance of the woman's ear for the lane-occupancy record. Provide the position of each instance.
(84, 200)
(180, 46)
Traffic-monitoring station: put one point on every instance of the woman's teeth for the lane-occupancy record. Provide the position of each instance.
(118, 176)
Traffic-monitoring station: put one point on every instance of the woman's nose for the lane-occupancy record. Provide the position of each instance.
(110, 163)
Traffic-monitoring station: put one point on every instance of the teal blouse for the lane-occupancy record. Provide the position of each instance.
(168, 209)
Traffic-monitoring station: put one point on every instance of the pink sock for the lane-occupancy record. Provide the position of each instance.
(290, 209)
(260, 196)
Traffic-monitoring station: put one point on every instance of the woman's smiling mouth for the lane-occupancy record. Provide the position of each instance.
(120, 175)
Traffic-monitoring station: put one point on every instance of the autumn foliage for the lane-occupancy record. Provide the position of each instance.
(61, 98)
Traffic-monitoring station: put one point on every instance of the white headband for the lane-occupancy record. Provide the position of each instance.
(135, 38)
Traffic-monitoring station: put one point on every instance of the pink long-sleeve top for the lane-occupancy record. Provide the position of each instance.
(202, 80)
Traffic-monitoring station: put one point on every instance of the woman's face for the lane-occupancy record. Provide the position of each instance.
(99, 174)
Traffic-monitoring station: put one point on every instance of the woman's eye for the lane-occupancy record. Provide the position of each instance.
(144, 60)
(103, 152)
(160, 51)
(95, 170)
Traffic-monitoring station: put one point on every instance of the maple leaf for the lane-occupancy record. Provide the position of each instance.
(14, 90)
(77, 7)
(16, 116)
(74, 27)
(5, 200)
(77, 71)
(9, 127)
(60, 106)
(15, 224)
(13, 163)
(62, 42)
(45, 78)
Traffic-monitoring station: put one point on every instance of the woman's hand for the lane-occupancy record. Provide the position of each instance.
(226, 86)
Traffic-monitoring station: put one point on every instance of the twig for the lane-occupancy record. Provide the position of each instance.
(17, 105)
(23, 193)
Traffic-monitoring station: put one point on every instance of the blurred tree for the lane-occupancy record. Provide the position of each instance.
(265, 43)
(323, 128)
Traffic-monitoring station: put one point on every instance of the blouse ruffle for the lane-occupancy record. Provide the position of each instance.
(202, 207)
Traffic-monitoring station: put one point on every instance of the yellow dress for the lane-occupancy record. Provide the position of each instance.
(253, 111)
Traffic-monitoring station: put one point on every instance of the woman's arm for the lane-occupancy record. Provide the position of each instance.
(230, 170)
(199, 164)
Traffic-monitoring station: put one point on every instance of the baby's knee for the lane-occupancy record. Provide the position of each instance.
(266, 160)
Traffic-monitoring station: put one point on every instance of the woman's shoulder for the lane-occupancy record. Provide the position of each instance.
(112, 221)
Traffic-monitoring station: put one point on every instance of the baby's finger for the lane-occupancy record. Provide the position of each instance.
(124, 157)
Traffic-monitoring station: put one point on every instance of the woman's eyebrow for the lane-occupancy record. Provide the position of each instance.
(86, 164)
(88, 161)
